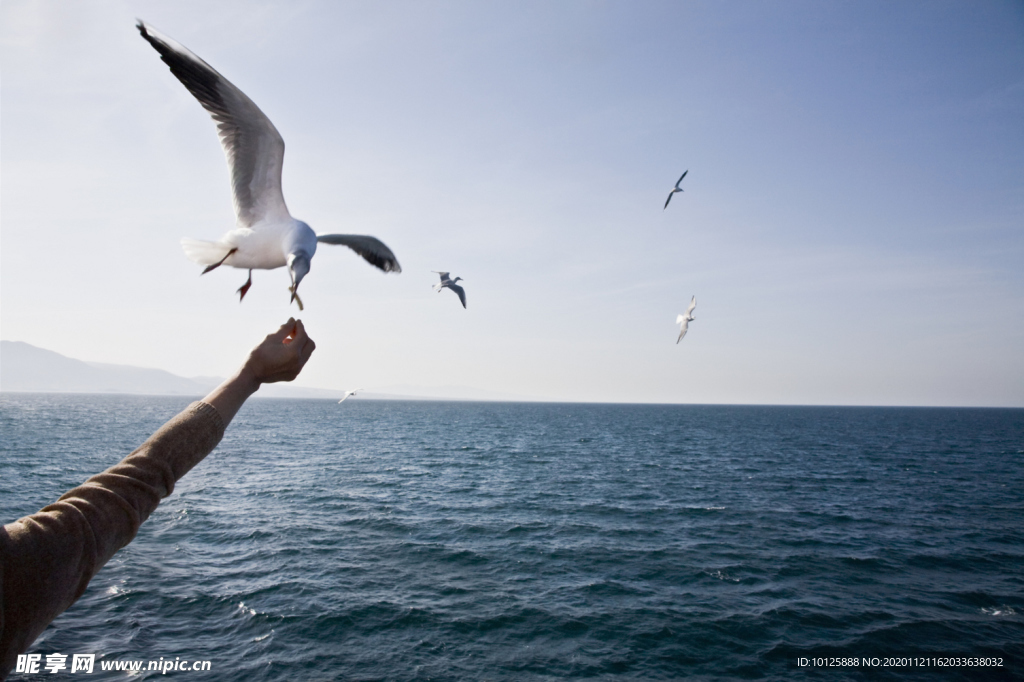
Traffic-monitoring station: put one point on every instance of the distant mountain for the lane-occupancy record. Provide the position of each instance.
(25, 368)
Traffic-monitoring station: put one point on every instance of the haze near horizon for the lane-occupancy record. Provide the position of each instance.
(851, 221)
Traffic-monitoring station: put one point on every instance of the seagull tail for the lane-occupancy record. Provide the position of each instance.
(680, 318)
(204, 253)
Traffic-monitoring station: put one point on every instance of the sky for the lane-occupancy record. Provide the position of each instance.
(852, 223)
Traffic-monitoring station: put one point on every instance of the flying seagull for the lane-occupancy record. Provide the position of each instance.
(266, 236)
(349, 393)
(686, 319)
(677, 189)
(447, 281)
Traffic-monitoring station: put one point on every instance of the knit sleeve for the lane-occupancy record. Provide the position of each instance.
(47, 559)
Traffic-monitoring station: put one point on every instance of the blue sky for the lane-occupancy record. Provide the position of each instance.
(851, 225)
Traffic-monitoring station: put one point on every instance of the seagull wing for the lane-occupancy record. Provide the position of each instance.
(682, 332)
(693, 304)
(668, 200)
(681, 177)
(252, 145)
(373, 250)
(460, 291)
(348, 394)
(444, 275)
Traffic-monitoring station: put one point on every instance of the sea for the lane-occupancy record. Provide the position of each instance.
(393, 540)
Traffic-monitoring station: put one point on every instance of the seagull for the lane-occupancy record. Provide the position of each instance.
(349, 393)
(677, 189)
(447, 281)
(686, 319)
(266, 236)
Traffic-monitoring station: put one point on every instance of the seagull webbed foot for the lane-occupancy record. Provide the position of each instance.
(244, 289)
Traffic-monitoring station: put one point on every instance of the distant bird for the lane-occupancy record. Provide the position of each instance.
(450, 283)
(349, 393)
(677, 188)
(686, 319)
(266, 236)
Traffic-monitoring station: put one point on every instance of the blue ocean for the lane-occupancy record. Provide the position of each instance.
(390, 540)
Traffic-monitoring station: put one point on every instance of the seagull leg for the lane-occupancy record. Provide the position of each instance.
(220, 262)
(244, 289)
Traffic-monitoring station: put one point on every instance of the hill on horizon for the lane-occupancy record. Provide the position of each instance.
(25, 368)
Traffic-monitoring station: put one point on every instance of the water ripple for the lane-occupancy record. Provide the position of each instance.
(451, 541)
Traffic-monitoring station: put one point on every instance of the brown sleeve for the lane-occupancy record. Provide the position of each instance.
(47, 559)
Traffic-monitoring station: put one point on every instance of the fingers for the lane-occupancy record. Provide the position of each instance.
(306, 351)
(302, 343)
(285, 330)
(299, 333)
(282, 354)
(297, 340)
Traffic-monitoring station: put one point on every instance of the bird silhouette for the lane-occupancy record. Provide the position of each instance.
(676, 189)
(686, 319)
(448, 282)
(347, 394)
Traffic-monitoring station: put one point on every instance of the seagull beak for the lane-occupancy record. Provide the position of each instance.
(295, 296)
(298, 267)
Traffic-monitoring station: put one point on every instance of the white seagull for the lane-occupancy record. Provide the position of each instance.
(677, 189)
(347, 394)
(450, 283)
(266, 236)
(686, 319)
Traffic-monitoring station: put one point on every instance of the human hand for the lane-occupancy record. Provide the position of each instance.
(280, 356)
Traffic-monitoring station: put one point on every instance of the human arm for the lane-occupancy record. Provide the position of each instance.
(48, 558)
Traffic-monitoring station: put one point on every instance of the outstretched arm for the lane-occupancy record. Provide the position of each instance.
(47, 559)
